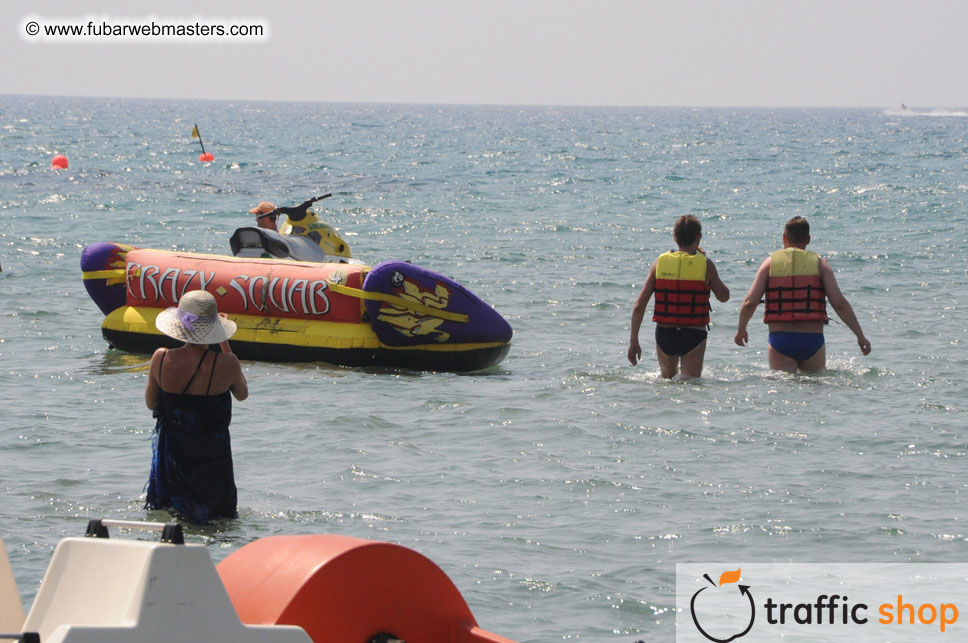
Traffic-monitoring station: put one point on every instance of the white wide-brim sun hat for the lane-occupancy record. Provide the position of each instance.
(195, 320)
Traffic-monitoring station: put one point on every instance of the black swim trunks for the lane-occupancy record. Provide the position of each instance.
(677, 341)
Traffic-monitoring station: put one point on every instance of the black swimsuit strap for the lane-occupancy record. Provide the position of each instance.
(160, 365)
(211, 375)
(198, 368)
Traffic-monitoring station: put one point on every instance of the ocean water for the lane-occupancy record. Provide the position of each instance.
(559, 489)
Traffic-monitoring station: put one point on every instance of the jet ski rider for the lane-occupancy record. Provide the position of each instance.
(302, 221)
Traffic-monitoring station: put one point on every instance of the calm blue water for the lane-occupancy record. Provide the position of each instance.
(559, 489)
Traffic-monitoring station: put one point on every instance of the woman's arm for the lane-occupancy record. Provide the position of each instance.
(153, 387)
(239, 386)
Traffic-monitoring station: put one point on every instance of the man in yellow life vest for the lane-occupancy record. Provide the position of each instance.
(681, 281)
(797, 283)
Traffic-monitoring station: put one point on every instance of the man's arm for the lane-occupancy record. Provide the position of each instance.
(841, 306)
(752, 300)
(638, 314)
(715, 283)
(298, 212)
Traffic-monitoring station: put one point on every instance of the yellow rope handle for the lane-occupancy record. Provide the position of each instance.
(104, 274)
(398, 301)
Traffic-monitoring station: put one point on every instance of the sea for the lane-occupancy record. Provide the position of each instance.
(560, 488)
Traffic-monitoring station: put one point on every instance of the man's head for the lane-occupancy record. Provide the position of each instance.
(265, 215)
(687, 230)
(796, 232)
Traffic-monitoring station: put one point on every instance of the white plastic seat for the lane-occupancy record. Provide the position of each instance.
(107, 590)
(11, 608)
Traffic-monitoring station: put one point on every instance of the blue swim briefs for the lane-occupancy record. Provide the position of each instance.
(799, 346)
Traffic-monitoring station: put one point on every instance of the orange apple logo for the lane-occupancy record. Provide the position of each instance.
(735, 603)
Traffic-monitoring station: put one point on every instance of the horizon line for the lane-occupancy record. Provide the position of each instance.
(900, 107)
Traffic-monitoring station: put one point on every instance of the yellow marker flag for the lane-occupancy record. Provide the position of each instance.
(729, 577)
(195, 133)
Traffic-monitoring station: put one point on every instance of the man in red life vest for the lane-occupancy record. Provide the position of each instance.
(797, 283)
(681, 281)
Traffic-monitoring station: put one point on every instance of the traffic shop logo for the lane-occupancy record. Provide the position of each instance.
(728, 597)
(726, 611)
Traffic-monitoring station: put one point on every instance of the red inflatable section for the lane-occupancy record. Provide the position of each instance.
(345, 589)
(293, 289)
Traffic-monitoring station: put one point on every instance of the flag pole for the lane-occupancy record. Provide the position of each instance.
(205, 157)
(195, 134)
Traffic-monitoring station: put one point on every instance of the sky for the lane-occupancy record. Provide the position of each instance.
(775, 53)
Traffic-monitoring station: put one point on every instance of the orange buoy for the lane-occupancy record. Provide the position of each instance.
(59, 162)
(206, 157)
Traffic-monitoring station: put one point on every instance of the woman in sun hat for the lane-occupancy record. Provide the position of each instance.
(190, 390)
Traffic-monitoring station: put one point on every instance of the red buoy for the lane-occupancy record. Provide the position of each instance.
(59, 162)
(206, 158)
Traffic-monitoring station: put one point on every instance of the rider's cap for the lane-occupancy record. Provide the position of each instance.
(263, 208)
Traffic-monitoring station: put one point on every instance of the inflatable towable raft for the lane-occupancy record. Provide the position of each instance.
(280, 589)
(331, 309)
